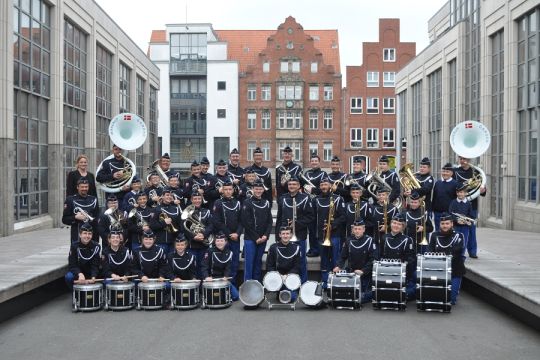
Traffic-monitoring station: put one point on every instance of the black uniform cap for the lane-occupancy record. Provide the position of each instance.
(287, 149)
(294, 178)
(194, 163)
(221, 162)
(448, 166)
(82, 180)
(148, 234)
(205, 161)
(383, 159)
(257, 150)
(166, 156)
(335, 159)
(234, 151)
(399, 217)
(359, 222)
(86, 227)
(446, 216)
(249, 171)
(220, 235)
(382, 190)
(425, 161)
(180, 237)
(258, 183)
(112, 197)
(415, 195)
(136, 179)
(461, 187)
(357, 187)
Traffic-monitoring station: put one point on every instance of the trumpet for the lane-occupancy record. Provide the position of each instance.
(193, 225)
(462, 219)
(87, 216)
(292, 222)
(170, 227)
(153, 193)
(328, 231)
(423, 241)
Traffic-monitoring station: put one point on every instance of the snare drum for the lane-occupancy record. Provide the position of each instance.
(434, 282)
(119, 296)
(311, 294)
(87, 297)
(150, 295)
(185, 295)
(251, 293)
(344, 291)
(389, 284)
(292, 282)
(272, 281)
(216, 294)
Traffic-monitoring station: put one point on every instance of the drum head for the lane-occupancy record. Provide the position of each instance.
(307, 293)
(185, 285)
(120, 285)
(272, 281)
(251, 293)
(215, 284)
(87, 287)
(154, 285)
(293, 282)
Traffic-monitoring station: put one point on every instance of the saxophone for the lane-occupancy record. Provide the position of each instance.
(328, 231)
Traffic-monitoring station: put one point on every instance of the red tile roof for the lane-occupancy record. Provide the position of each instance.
(245, 45)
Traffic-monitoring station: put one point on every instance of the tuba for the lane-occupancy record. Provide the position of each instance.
(128, 132)
(470, 139)
(407, 179)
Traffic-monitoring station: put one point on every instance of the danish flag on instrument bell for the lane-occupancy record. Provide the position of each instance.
(127, 117)
(468, 125)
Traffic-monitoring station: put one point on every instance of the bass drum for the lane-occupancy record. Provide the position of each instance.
(389, 285)
(251, 293)
(434, 282)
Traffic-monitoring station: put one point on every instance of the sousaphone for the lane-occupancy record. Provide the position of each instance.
(470, 139)
(128, 132)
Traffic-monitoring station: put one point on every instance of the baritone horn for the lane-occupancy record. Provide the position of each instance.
(128, 132)
(470, 139)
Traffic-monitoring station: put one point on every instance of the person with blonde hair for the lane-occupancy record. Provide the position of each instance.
(81, 170)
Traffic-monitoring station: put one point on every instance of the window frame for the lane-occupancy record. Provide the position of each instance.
(356, 109)
(370, 82)
(372, 110)
(387, 132)
(354, 139)
(369, 139)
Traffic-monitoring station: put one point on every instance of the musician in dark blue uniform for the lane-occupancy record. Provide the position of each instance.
(359, 251)
(84, 258)
(357, 209)
(390, 177)
(74, 208)
(462, 206)
(296, 210)
(154, 190)
(463, 173)
(257, 223)
(382, 206)
(129, 199)
(262, 173)
(116, 259)
(226, 215)
(114, 169)
(165, 166)
(337, 177)
(166, 221)
(177, 190)
(322, 205)
(246, 188)
(182, 264)
(284, 257)
(211, 193)
(426, 181)
(149, 262)
(140, 221)
(444, 191)
(234, 168)
(448, 241)
(217, 263)
(314, 175)
(199, 241)
(396, 245)
(288, 168)
(117, 220)
(418, 222)
(358, 177)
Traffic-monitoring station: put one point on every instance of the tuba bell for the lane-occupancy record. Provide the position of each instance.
(194, 226)
(470, 139)
(128, 132)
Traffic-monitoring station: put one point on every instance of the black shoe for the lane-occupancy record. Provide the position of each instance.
(473, 256)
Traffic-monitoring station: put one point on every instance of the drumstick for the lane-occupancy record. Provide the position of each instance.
(218, 279)
(188, 281)
(122, 277)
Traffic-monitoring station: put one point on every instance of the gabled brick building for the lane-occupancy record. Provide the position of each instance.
(289, 91)
(369, 101)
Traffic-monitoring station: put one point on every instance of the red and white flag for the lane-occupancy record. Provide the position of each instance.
(127, 117)
(468, 125)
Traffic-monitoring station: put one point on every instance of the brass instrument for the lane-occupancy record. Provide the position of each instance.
(87, 216)
(308, 186)
(170, 227)
(407, 179)
(470, 139)
(260, 178)
(349, 180)
(356, 210)
(328, 231)
(115, 185)
(335, 185)
(195, 188)
(194, 226)
(423, 241)
(133, 211)
(292, 222)
(163, 178)
(375, 182)
(151, 194)
(385, 216)
(286, 176)
(115, 217)
(462, 219)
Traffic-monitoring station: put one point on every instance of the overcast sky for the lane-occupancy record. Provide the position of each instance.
(356, 20)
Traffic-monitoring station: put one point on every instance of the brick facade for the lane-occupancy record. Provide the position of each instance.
(293, 60)
(378, 60)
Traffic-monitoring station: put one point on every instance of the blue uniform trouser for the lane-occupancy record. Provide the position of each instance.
(234, 246)
(313, 241)
(367, 294)
(465, 230)
(303, 260)
(199, 257)
(253, 254)
(294, 293)
(471, 243)
(69, 277)
(234, 292)
(456, 284)
(329, 258)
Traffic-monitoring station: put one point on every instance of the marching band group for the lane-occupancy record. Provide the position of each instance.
(185, 229)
